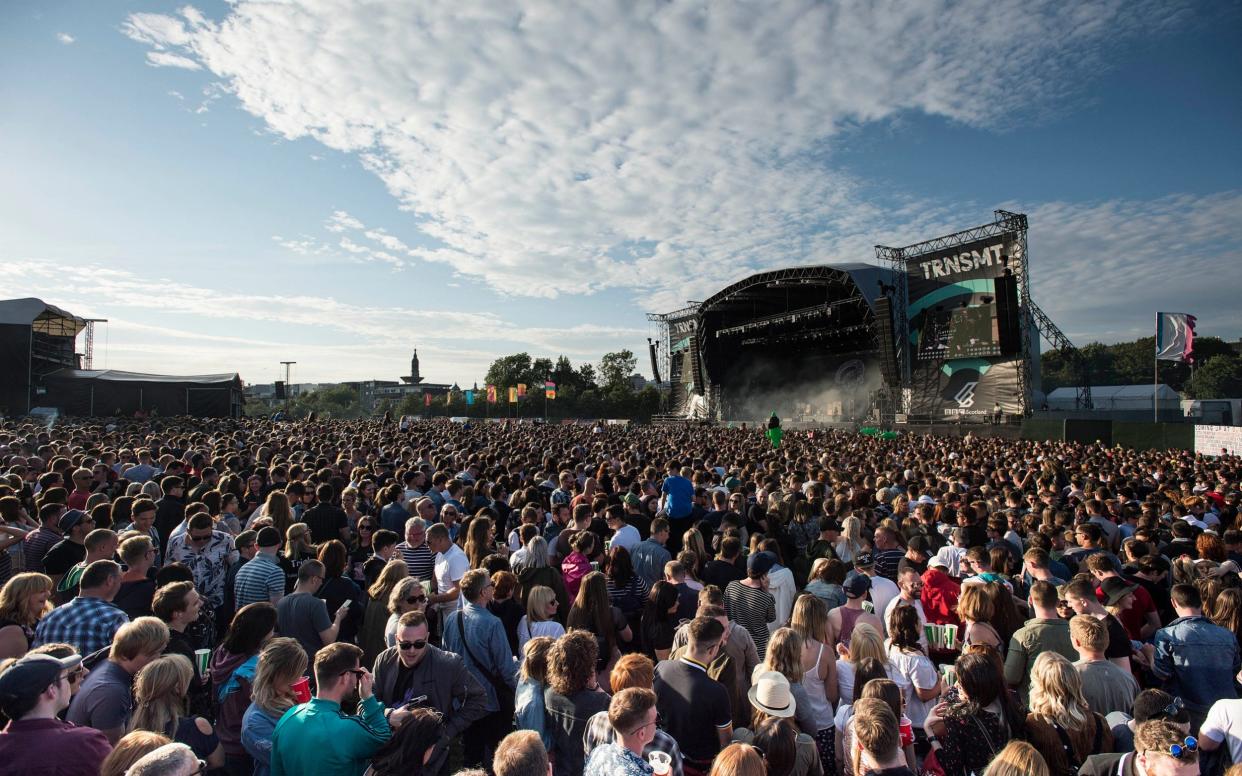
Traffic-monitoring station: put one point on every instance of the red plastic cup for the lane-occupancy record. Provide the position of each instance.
(906, 727)
(301, 690)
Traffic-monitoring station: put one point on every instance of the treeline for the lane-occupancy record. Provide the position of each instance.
(602, 390)
(1217, 372)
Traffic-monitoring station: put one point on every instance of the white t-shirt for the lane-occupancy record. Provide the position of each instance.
(1224, 725)
(784, 589)
(883, 591)
(626, 536)
(918, 605)
(911, 670)
(526, 631)
(845, 687)
(451, 566)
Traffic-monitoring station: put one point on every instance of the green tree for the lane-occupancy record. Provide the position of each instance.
(615, 369)
(509, 371)
(1220, 377)
(585, 377)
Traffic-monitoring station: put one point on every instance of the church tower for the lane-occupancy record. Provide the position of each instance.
(413, 378)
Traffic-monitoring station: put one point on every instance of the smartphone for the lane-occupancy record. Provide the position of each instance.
(414, 703)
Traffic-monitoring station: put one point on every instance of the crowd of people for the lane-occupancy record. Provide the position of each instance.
(184, 596)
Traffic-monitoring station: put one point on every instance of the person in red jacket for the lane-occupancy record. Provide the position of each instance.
(940, 593)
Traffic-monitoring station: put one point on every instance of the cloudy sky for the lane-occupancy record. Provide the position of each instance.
(334, 181)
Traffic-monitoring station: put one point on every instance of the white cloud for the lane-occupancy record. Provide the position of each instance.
(332, 339)
(66, 38)
(550, 150)
(164, 59)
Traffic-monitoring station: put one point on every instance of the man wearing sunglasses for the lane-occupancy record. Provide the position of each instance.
(33, 691)
(319, 737)
(1161, 748)
(414, 673)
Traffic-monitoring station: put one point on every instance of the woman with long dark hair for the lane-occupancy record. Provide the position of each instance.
(626, 590)
(969, 732)
(338, 589)
(411, 746)
(232, 674)
(592, 612)
(659, 620)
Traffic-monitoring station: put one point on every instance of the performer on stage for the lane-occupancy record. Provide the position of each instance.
(774, 432)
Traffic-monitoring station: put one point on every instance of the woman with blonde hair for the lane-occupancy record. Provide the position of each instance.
(784, 656)
(850, 543)
(408, 596)
(739, 760)
(1060, 724)
(540, 617)
(278, 510)
(375, 618)
(532, 681)
(129, 750)
(865, 642)
(298, 549)
(819, 680)
(974, 606)
(23, 602)
(160, 690)
(281, 663)
(1018, 758)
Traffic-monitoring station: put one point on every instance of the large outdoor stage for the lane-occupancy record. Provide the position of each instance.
(943, 330)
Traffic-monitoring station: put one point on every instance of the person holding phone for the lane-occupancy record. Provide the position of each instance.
(415, 674)
(318, 737)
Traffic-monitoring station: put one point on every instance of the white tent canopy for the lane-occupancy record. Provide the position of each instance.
(1117, 397)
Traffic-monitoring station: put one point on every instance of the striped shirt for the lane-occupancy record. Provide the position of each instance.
(753, 609)
(35, 546)
(420, 560)
(258, 580)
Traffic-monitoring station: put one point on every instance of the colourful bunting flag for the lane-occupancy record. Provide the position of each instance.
(491, 394)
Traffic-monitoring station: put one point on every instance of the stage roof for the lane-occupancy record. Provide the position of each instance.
(115, 375)
(41, 316)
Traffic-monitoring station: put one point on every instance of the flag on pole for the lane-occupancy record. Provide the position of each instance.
(1175, 336)
(513, 395)
(426, 400)
(521, 390)
(491, 394)
(549, 390)
(469, 398)
(448, 398)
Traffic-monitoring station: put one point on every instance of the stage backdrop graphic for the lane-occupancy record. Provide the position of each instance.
(958, 368)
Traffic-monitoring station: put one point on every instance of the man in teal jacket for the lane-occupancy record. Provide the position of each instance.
(317, 737)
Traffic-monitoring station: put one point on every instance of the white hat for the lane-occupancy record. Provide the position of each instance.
(771, 694)
(948, 559)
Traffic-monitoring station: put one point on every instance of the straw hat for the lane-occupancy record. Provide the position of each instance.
(771, 694)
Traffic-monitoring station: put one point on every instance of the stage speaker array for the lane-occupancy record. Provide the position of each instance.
(887, 342)
(1008, 315)
(280, 389)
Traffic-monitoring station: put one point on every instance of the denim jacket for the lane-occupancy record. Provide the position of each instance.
(1198, 660)
(488, 643)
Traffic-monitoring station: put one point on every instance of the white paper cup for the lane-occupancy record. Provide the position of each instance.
(661, 763)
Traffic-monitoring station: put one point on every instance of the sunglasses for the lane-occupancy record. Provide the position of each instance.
(1190, 744)
(1174, 708)
(407, 645)
(200, 539)
(366, 528)
(416, 599)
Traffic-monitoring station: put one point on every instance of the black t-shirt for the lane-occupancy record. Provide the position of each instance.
(325, 522)
(720, 573)
(63, 556)
(1118, 639)
(692, 706)
(134, 598)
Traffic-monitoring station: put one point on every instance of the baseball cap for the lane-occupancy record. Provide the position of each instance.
(25, 679)
(863, 559)
(760, 563)
(828, 524)
(71, 518)
(856, 585)
(269, 537)
(632, 500)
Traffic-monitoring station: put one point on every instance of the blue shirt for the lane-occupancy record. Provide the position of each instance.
(616, 760)
(85, 622)
(258, 580)
(488, 643)
(648, 559)
(680, 492)
(1197, 659)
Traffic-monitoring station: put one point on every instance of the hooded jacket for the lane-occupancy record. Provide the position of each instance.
(231, 678)
(940, 594)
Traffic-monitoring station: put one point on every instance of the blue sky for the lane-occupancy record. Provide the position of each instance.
(236, 184)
